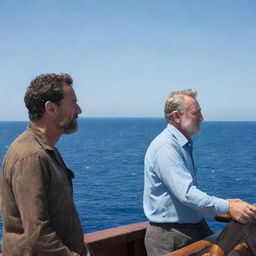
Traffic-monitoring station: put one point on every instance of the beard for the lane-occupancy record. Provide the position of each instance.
(191, 127)
(67, 126)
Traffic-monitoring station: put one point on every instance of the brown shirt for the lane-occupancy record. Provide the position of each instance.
(39, 215)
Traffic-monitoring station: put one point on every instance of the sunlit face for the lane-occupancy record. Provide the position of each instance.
(191, 119)
(68, 111)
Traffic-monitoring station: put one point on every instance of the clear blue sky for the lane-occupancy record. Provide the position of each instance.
(126, 56)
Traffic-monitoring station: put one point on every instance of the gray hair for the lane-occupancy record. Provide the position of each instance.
(175, 102)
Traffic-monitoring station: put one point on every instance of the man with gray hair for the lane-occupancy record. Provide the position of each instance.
(172, 200)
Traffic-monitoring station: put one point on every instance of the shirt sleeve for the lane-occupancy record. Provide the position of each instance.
(29, 183)
(177, 178)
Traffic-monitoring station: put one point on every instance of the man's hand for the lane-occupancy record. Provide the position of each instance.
(241, 211)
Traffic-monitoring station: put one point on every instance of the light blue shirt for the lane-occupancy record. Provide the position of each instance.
(170, 185)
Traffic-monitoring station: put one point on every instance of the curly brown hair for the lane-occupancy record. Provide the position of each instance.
(45, 87)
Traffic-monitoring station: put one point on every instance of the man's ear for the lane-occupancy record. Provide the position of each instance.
(177, 116)
(50, 107)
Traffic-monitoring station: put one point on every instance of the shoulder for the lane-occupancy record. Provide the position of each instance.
(164, 140)
(164, 144)
(24, 147)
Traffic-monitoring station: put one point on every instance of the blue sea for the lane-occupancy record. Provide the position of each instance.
(106, 155)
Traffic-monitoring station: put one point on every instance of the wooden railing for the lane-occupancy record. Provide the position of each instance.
(120, 241)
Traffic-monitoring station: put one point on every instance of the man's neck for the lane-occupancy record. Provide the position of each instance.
(179, 128)
(49, 131)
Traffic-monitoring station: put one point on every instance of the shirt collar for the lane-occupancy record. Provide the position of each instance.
(182, 140)
(39, 137)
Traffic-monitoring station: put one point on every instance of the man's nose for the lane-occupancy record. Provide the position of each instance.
(78, 109)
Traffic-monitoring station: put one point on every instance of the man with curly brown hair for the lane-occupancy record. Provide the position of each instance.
(39, 214)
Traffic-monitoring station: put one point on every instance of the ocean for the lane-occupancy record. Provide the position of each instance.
(107, 154)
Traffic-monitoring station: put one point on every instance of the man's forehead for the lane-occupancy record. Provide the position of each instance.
(191, 102)
(67, 88)
(68, 91)
(190, 99)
